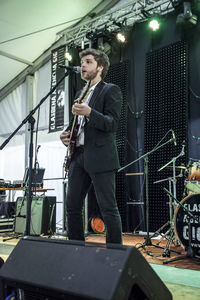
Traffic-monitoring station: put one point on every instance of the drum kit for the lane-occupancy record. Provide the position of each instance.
(184, 215)
(184, 222)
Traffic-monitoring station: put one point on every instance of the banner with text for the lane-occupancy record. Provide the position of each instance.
(57, 98)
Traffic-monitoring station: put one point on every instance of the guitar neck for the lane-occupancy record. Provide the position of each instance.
(73, 125)
(80, 100)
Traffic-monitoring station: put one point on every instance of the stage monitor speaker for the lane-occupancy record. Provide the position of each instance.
(41, 268)
(43, 215)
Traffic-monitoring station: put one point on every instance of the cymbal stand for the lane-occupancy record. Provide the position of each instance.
(145, 157)
(172, 206)
(168, 235)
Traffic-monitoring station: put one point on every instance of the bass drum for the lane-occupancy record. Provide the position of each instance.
(181, 221)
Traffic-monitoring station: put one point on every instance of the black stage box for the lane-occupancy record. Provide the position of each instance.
(43, 215)
(7, 213)
(41, 268)
(7, 209)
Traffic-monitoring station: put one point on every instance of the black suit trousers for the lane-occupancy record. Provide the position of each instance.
(79, 182)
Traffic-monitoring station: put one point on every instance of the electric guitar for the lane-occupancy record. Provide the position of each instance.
(74, 130)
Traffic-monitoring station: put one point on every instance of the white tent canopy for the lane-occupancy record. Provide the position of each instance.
(28, 28)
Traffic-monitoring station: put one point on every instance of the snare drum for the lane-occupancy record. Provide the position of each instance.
(194, 172)
(181, 221)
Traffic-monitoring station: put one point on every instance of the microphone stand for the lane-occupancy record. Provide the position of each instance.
(173, 161)
(30, 119)
(145, 157)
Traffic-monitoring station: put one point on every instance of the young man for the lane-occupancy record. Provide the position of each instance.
(95, 159)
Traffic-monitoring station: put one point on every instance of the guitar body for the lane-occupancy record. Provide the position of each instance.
(74, 131)
(72, 146)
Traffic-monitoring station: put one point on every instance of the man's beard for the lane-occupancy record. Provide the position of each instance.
(90, 76)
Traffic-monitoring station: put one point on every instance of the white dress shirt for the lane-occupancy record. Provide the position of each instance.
(81, 119)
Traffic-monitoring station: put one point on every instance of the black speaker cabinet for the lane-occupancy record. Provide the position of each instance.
(43, 215)
(41, 268)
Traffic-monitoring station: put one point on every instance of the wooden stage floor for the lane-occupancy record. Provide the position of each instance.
(152, 253)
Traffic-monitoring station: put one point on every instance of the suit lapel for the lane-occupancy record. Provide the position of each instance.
(97, 90)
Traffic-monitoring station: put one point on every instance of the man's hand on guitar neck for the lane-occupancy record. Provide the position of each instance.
(65, 137)
(82, 109)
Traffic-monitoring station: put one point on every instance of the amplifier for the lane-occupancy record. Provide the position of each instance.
(43, 215)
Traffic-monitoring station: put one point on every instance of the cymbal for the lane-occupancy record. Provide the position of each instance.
(177, 167)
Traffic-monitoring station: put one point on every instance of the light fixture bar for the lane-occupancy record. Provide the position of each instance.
(132, 11)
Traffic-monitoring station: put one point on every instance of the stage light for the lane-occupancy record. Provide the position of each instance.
(104, 45)
(186, 19)
(90, 35)
(68, 56)
(154, 24)
(121, 37)
(123, 30)
(82, 44)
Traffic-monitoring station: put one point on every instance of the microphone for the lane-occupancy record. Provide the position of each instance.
(174, 137)
(75, 69)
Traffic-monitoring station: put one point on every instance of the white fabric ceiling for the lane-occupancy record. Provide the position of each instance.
(30, 27)
(22, 34)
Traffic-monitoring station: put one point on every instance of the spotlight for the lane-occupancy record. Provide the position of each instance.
(121, 37)
(104, 45)
(90, 35)
(186, 19)
(82, 44)
(68, 56)
(154, 24)
(122, 31)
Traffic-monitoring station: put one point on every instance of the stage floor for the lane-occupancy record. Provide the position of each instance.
(153, 254)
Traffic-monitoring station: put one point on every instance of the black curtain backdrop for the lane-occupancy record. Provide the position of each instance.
(142, 40)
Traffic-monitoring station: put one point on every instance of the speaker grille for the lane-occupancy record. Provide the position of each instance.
(43, 215)
(118, 74)
(166, 107)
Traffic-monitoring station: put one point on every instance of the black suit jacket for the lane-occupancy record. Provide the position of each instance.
(100, 150)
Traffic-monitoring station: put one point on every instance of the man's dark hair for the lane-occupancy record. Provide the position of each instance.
(100, 57)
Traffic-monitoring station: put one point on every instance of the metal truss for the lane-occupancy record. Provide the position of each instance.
(131, 12)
